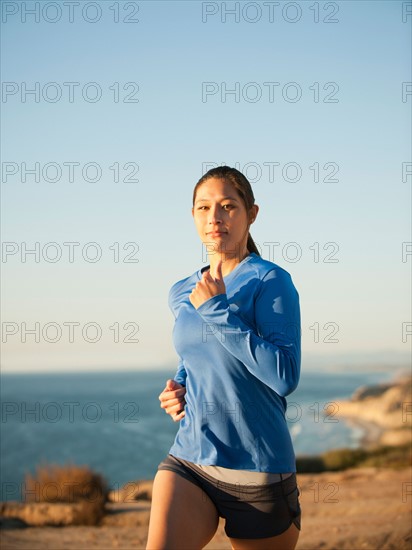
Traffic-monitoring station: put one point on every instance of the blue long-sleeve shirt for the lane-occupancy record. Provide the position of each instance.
(240, 355)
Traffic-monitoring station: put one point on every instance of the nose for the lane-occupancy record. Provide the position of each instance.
(214, 215)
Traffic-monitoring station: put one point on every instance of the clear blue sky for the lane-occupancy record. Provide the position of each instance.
(337, 108)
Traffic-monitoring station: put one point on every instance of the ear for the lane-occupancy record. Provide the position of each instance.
(253, 213)
(193, 211)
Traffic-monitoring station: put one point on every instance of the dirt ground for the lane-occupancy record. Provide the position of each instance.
(367, 508)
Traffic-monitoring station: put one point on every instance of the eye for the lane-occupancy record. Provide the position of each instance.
(201, 207)
(229, 206)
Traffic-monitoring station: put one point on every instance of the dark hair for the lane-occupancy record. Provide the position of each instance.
(242, 186)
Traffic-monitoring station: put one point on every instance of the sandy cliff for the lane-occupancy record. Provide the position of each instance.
(384, 411)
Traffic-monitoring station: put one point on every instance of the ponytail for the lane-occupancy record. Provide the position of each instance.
(251, 246)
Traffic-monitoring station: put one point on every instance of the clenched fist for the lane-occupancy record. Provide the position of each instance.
(172, 399)
(208, 286)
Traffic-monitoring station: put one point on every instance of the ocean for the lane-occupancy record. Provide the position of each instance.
(112, 421)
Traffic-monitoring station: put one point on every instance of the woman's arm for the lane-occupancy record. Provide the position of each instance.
(272, 352)
(172, 398)
(181, 373)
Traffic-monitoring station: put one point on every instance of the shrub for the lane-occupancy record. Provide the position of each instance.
(77, 485)
(341, 459)
(309, 464)
(389, 457)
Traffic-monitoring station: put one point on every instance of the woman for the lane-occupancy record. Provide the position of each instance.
(237, 333)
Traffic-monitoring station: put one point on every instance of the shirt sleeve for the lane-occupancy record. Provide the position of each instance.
(271, 352)
(180, 376)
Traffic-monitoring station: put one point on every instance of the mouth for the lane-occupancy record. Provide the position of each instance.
(216, 233)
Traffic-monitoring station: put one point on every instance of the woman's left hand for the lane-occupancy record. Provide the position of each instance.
(208, 286)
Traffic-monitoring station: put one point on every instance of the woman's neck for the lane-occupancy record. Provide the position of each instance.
(229, 262)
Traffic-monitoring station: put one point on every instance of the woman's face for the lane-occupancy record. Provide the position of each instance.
(220, 217)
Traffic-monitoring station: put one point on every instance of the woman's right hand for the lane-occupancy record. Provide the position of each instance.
(172, 399)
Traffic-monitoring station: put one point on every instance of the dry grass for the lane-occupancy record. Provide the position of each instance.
(77, 485)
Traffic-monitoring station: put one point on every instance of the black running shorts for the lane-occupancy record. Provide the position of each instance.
(251, 511)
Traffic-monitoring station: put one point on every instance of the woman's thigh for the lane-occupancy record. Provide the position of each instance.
(285, 541)
(182, 516)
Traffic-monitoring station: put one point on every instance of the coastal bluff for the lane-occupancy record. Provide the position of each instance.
(383, 411)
